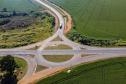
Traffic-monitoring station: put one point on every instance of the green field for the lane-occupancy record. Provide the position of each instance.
(112, 71)
(18, 5)
(101, 19)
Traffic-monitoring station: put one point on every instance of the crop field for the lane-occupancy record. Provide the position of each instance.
(18, 5)
(112, 71)
(101, 19)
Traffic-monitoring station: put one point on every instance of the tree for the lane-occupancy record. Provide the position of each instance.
(9, 79)
(8, 66)
(4, 9)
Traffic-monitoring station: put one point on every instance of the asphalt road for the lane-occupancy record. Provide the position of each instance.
(62, 52)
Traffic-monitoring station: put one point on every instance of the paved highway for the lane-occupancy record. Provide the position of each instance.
(62, 52)
(60, 17)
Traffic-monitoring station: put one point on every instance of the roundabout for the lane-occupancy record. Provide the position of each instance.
(44, 62)
(76, 51)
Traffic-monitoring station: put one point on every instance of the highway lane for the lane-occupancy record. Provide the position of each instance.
(60, 17)
(62, 52)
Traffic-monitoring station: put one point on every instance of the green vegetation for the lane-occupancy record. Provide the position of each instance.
(57, 58)
(112, 71)
(18, 5)
(11, 69)
(23, 30)
(62, 46)
(22, 67)
(77, 37)
(98, 19)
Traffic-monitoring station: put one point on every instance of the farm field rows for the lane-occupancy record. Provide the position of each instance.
(110, 71)
(100, 19)
(18, 5)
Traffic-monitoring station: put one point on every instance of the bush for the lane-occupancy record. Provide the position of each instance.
(77, 37)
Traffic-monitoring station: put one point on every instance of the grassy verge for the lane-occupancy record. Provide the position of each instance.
(112, 71)
(23, 67)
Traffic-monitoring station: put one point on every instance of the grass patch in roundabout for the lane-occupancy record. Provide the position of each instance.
(57, 39)
(57, 58)
(110, 71)
(98, 19)
(59, 47)
(22, 64)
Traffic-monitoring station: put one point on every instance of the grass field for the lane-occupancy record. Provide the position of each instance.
(112, 71)
(101, 19)
(18, 5)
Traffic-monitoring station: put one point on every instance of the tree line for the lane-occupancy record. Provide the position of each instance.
(77, 37)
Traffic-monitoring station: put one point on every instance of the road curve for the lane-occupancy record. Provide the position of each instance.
(61, 19)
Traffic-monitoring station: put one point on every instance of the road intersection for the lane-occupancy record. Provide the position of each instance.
(100, 53)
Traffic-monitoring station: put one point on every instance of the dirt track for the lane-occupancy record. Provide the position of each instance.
(41, 75)
(69, 23)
